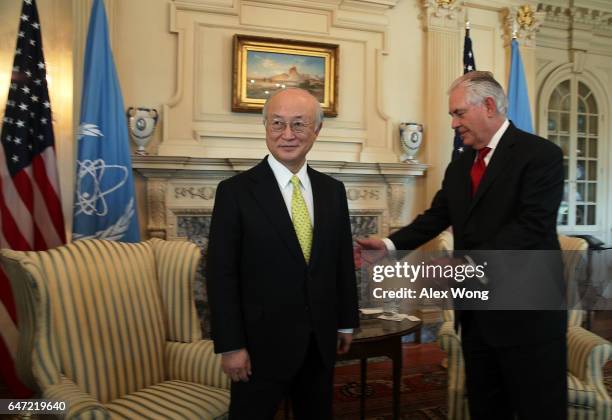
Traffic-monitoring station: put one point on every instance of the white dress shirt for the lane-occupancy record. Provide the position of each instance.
(283, 177)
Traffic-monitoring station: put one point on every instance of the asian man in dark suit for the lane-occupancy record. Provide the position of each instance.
(281, 278)
(503, 194)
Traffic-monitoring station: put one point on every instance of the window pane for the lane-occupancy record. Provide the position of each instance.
(592, 192)
(592, 170)
(582, 123)
(562, 215)
(593, 125)
(565, 103)
(592, 148)
(583, 90)
(564, 87)
(565, 170)
(590, 215)
(564, 121)
(555, 101)
(582, 106)
(553, 122)
(581, 147)
(565, 190)
(580, 188)
(580, 215)
(580, 169)
(564, 144)
(592, 104)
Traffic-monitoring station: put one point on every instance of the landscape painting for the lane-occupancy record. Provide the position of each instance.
(265, 65)
(267, 72)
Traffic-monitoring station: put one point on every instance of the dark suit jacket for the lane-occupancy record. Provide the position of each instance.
(514, 208)
(263, 296)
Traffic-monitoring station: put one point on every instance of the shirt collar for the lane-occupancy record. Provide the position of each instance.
(498, 135)
(283, 175)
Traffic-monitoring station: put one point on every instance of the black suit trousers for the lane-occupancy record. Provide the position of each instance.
(525, 381)
(310, 392)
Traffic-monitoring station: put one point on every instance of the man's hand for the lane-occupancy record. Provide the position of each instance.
(369, 244)
(237, 365)
(344, 342)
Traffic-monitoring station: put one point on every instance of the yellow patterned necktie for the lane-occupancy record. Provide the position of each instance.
(301, 218)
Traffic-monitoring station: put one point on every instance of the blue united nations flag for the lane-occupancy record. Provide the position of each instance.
(519, 111)
(104, 204)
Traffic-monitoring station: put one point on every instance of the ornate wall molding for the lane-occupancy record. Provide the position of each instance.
(523, 22)
(156, 200)
(576, 28)
(442, 14)
(197, 121)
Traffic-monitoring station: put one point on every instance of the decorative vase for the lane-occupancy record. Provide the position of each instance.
(411, 137)
(142, 122)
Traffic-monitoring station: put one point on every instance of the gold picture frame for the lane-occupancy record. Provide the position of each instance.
(263, 65)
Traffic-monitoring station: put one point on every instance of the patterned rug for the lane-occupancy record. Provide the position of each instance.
(423, 387)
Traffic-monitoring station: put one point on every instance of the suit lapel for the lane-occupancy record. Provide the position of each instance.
(498, 163)
(268, 195)
(466, 178)
(320, 196)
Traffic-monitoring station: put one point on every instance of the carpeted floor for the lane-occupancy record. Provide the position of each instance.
(423, 391)
(423, 387)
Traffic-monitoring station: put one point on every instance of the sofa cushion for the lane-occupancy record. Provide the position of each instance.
(172, 400)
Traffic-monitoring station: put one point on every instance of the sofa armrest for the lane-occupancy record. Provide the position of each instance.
(448, 339)
(195, 362)
(587, 354)
(79, 404)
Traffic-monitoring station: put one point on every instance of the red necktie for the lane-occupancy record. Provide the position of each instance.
(478, 169)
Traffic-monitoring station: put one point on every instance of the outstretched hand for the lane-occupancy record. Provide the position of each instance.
(376, 247)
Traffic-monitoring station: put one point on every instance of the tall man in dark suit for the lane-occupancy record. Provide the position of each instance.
(281, 279)
(502, 195)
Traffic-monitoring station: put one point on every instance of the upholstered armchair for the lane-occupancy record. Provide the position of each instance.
(587, 354)
(111, 328)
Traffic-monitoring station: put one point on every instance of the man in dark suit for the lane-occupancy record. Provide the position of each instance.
(504, 194)
(281, 278)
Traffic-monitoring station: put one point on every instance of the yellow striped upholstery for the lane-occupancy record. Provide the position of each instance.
(112, 322)
(587, 354)
(172, 400)
(81, 405)
(195, 362)
(177, 262)
(581, 398)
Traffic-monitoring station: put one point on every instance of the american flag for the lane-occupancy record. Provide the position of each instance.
(30, 206)
(469, 64)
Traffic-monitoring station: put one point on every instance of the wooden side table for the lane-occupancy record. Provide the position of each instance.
(376, 337)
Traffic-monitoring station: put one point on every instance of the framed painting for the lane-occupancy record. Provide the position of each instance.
(264, 65)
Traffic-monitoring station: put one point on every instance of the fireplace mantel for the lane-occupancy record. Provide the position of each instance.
(381, 195)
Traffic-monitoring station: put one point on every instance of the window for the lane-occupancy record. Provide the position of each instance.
(574, 125)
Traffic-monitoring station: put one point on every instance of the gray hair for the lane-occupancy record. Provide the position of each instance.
(480, 85)
(318, 109)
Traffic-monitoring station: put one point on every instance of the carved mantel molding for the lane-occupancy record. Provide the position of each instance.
(379, 194)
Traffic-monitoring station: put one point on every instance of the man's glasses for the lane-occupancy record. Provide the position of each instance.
(277, 126)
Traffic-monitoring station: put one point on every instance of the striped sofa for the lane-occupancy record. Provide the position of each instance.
(111, 328)
(587, 354)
